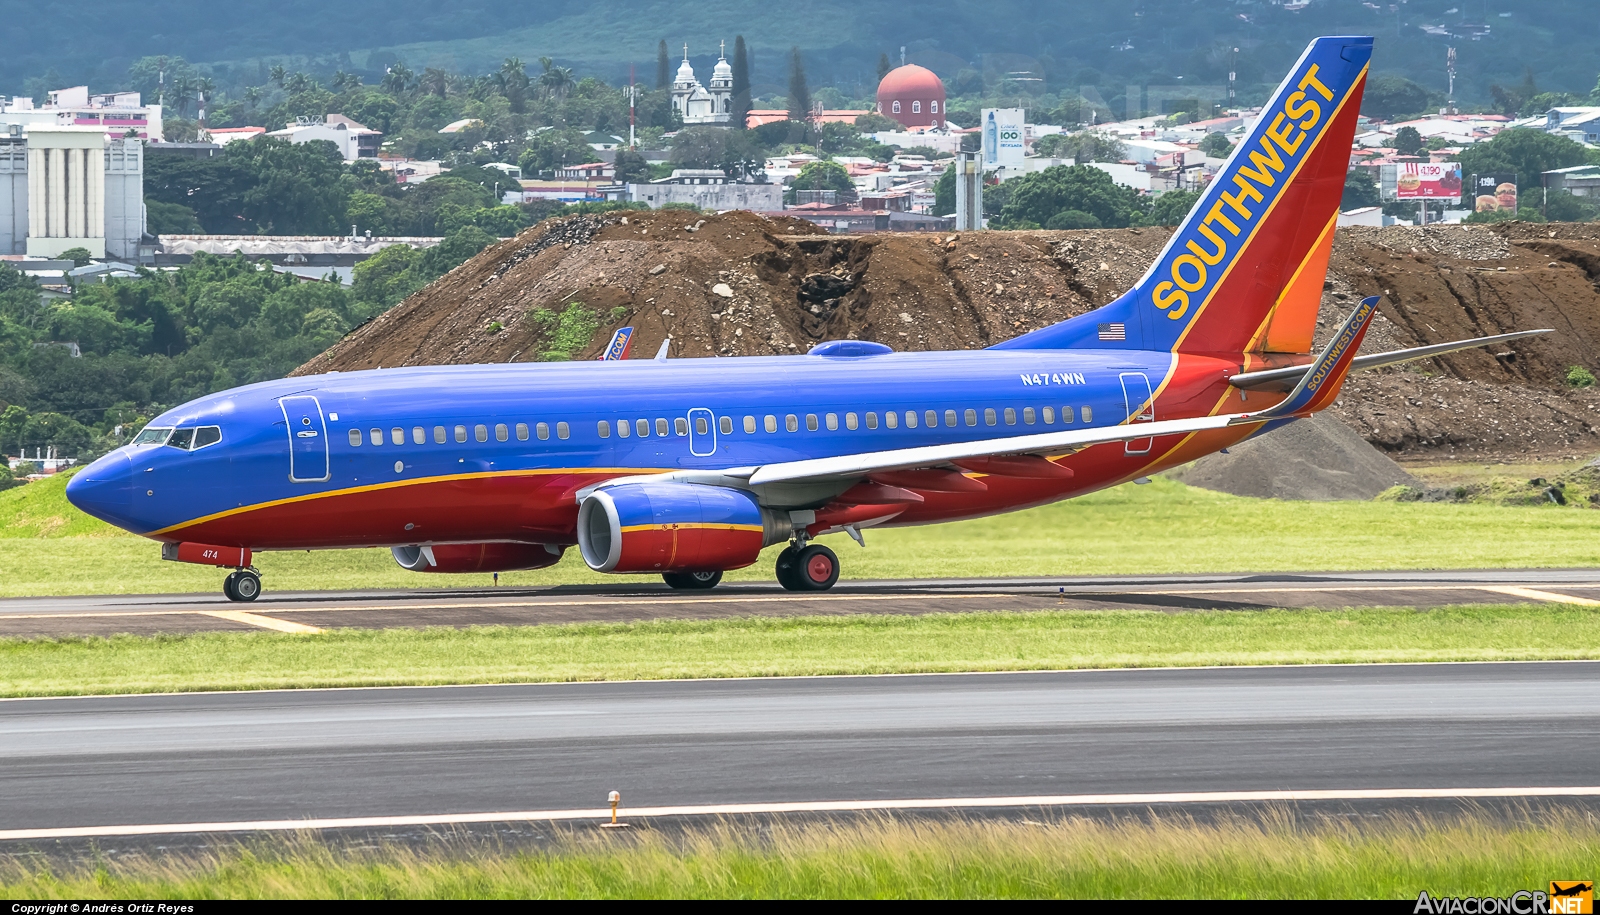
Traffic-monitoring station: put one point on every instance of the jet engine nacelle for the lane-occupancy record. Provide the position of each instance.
(477, 557)
(675, 527)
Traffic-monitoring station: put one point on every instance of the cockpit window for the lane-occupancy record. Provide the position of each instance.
(206, 435)
(152, 436)
(181, 439)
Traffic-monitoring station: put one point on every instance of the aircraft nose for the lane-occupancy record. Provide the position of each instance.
(105, 488)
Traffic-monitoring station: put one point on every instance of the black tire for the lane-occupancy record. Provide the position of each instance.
(692, 581)
(816, 568)
(247, 586)
(786, 568)
(227, 586)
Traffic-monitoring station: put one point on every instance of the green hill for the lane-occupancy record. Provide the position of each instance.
(41, 510)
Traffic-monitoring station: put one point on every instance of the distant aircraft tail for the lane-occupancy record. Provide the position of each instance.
(1244, 272)
(621, 342)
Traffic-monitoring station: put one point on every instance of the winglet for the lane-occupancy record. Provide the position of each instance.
(621, 342)
(1323, 381)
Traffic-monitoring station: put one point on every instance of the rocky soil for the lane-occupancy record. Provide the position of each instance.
(742, 284)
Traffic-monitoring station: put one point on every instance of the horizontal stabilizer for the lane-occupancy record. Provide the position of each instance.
(1285, 379)
(1325, 377)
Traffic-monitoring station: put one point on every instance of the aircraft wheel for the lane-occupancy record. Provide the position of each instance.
(691, 581)
(786, 568)
(816, 568)
(246, 585)
(227, 586)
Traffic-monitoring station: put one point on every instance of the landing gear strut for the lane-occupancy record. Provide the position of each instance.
(242, 585)
(804, 567)
(691, 581)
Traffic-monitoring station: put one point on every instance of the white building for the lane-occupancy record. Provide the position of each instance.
(355, 141)
(116, 113)
(697, 104)
(64, 186)
(708, 189)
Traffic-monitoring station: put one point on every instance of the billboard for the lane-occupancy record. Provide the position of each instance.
(1427, 180)
(1002, 139)
(1491, 193)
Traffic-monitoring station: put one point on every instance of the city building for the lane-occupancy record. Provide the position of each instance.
(68, 186)
(819, 115)
(222, 136)
(355, 141)
(117, 113)
(912, 95)
(708, 189)
(697, 104)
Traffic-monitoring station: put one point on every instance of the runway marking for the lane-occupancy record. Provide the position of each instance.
(1535, 594)
(265, 622)
(601, 813)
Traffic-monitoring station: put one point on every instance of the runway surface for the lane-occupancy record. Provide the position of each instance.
(645, 599)
(451, 753)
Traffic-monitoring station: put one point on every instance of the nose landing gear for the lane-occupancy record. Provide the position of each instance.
(804, 567)
(242, 585)
(691, 581)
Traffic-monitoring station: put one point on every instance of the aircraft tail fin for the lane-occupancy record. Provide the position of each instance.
(1244, 272)
(621, 342)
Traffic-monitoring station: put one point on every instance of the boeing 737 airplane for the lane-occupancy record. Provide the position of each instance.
(687, 468)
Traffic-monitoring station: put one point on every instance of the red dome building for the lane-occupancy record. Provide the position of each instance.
(912, 95)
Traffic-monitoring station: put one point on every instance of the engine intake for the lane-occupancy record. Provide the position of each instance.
(477, 557)
(675, 527)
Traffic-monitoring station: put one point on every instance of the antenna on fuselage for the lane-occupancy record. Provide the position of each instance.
(661, 354)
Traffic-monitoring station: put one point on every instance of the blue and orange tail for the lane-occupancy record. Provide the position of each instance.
(1244, 272)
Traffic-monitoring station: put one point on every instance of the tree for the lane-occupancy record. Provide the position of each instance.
(1085, 146)
(1072, 219)
(278, 74)
(1035, 198)
(873, 122)
(1524, 151)
(78, 256)
(944, 193)
(513, 82)
(1391, 97)
(741, 84)
(1359, 191)
(1216, 146)
(1170, 208)
(398, 79)
(884, 66)
(1408, 142)
(631, 167)
(555, 82)
(799, 91)
(663, 66)
(822, 175)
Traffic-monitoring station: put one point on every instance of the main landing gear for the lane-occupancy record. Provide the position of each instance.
(691, 581)
(242, 585)
(804, 567)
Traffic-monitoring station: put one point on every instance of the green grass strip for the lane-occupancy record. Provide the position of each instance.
(795, 646)
(1274, 855)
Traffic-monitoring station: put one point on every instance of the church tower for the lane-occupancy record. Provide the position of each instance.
(722, 88)
(684, 86)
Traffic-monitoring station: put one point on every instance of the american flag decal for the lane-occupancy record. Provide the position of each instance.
(1113, 331)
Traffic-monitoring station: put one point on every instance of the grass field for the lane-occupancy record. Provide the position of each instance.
(48, 547)
(795, 646)
(1271, 856)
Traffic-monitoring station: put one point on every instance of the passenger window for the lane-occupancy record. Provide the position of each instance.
(930, 418)
(376, 435)
(950, 418)
(642, 426)
(725, 423)
(604, 428)
(911, 419)
(891, 419)
(522, 432)
(1049, 416)
(701, 427)
(791, 422)
(480, 432)
(563, 431)
(811, 422)
(461, 433)
(624, 428)
(438, 435)
(397, 435)
(850, 422)
(749, 425)
(770, 423)
(1011, 416)
(1088, 413)
(419, 435)
(681, 426)
(501, 433)
(989, 418)
(206, 435)
(832, 421)
(872, 420)
(1066, 414)
(661, 427)
(543, 431)
(1028, 415)
(971, 416)
(355, 438)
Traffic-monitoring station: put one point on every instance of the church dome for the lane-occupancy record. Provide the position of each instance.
(685, 72)
(912, 95)
(724, 70)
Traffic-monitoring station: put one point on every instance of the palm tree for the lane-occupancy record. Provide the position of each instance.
(434, 81)
(398, 78)
(252, 97)
(555, 82)
(278, 73)
(512, 81)
(299, 82)
(343, 81)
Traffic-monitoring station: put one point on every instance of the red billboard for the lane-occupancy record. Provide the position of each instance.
(1420, 180)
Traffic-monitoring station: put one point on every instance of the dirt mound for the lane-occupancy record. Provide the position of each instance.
(1317, 459)
(743, 284)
